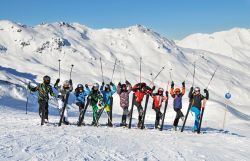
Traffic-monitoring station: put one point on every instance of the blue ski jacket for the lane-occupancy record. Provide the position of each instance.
(81, 96)
(106, 95)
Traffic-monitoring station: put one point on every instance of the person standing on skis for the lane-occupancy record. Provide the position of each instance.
(158, 98)
(44, 89)
(107, 93)
(95, 100)
(63, 90)
(80, 97)
(198, 102)
(177, 95)
(140, 90)
(123, 90)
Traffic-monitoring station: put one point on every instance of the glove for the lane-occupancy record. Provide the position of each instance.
(103, 83)
(172, 84)
(70, 81)
(111, 83)
(86, 85)
(119, 84)
(205, 91)
(153, 88)
(57, 81)
(127, 82)
(76, 90)
(192, 88)
(167, 93)
(183, 84)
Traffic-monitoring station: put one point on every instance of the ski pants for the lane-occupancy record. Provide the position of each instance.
(107, 109)
(43, 106)
(60, 106)
(82, 109)
(140, 111)
(95, 112)
(158, 116)
(197, 112)
(178, 115)
(125, 114)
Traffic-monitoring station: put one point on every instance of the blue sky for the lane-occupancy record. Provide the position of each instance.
(174, 19)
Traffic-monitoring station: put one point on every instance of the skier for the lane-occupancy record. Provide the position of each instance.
(107, 93)
(198, 102)
(140, 90)
(177, 95)
(158, 98)
(44, 89)
(95, 98)
(123, 90)
(81, 94)
(63, 90)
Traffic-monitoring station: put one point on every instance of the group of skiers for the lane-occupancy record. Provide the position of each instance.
(100, 99)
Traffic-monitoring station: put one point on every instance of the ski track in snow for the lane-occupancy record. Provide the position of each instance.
(22, 138)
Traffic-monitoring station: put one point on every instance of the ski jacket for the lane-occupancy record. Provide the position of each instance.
(177, 103)
(63, 91)
(43, 91)
(139, 94)
(124, 96)
(157, 100)
(81, 96)
(196, 99)
(95, 97)
(107, 95)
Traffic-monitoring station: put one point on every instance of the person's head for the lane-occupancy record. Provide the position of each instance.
(96, 87)
(160, 91)
(107, 88)
(123, 87)
(80, 87)
(46, 80)
(66, 84)
(143, 87)
(197, 90)
(177, 91)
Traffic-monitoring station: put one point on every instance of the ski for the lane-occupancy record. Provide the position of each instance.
(144, 112)
(163, 115)
(201, 116)
(102, 109)
(64, 107)
(131, 112)
(82, 113)
(186, 116)
(111, 109)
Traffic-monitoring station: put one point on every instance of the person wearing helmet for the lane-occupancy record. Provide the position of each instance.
(44, 89)
(140, 90)
(80, 97)
(158, 98)
(177, 95)
(95, 98)
(123, 90)
(63, 89)
(107, 93)
(198, 102)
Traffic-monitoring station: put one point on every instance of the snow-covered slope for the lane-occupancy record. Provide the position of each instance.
(29, 53)
(234, 43)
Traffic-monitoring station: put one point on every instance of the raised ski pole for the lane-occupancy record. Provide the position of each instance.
(203, 109)
(190, 104)
(27, 100)
(124, 71)
(170, 74)
(140, 69)
(113, 71)
(101, 69)
(59, 71)
(153, 79)
(71, 71)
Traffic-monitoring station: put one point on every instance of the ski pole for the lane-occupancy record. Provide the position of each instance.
(101, 69)
(113, 70)
(212, 76)
(27, 100)
(124, 71)
(71, 70)
(170, 74)
(153, 79)
(140, 69)
(186, 76)
(59, 68)
(193, 75)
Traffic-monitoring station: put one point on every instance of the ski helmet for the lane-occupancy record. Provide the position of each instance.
(160, 90)
(79, 86)
(66, 84)
(197, 89)
(123, 86)
(46, 79)
(96, 86)
(107, 87)
(177, 90)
